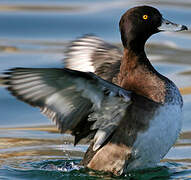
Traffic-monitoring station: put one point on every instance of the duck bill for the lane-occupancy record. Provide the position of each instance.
(172, 27)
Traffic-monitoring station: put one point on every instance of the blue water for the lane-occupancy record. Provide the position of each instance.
(35, 34)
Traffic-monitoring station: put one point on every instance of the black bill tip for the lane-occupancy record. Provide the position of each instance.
(184, 28)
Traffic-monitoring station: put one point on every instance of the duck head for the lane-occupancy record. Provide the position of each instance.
(139, 23)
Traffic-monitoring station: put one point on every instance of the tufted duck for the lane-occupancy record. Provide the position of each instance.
(129, 111)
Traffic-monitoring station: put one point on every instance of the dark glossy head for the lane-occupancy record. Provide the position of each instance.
(139, 23)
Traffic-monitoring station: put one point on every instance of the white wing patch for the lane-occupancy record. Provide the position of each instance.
(92, 54)
(79, 54)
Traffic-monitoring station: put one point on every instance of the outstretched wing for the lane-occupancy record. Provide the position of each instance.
(2, 81)
(81, 102)
(91, 54)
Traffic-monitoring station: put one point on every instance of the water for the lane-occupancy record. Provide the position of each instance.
(34, 34)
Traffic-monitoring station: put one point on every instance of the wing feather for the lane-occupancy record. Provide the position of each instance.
(81, 102)
(91, 54)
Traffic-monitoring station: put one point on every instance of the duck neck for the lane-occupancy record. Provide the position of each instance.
(134, 42)
(133, 60)
(137, 47)
(138, 75)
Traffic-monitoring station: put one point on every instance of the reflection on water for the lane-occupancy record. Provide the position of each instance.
(34, 34)
(55, 156)
(25, 157)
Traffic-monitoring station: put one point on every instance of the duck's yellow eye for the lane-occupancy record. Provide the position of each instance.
(145, 17)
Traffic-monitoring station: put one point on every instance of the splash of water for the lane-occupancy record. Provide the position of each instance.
(65, 166)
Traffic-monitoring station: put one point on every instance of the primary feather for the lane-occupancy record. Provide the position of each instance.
(71, 98)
